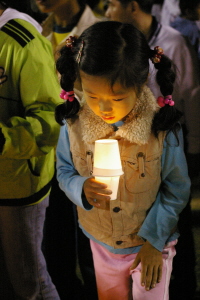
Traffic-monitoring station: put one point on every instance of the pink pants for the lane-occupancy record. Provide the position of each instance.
(116, 282)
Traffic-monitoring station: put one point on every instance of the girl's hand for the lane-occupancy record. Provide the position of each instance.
(96, 192)
(151, 265)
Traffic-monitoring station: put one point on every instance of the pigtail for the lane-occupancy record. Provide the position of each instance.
(67, 67)
(168, 115)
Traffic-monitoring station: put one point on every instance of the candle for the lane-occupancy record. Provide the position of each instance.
(107, 164)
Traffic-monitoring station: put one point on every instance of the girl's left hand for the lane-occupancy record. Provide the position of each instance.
(96, 193)
(151, 265)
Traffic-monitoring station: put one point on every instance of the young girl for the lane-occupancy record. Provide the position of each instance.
(132, 238)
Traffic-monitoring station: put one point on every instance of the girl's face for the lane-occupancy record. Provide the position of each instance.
(112, 104)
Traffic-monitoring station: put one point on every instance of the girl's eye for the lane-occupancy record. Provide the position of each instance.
(96, 98)
(118, 99)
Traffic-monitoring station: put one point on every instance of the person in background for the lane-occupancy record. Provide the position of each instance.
(62, 234)
(187, 94)
(170, 10)
(98, 7)
(28, 135)
(132, 238)
(184, 57)
(156, 9)
(69, 17)
(188, 22)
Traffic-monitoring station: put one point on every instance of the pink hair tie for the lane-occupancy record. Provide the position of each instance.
(162, 101)
(67, 95)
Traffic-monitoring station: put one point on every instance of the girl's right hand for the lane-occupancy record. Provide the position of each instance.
(96, 193)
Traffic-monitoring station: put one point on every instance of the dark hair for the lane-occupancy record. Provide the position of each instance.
(187, 6)
(120, 52)
(21, 5)
(145, 5)
(82, 2)
(92, 3)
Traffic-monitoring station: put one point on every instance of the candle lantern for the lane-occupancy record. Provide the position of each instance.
(107, 164)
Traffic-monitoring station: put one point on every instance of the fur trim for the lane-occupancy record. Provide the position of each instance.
(136, 127)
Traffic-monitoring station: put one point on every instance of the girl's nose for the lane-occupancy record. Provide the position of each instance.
(105, 106)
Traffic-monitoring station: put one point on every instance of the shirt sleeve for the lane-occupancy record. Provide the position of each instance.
(173, 194)
(30, 129)
(69, 179)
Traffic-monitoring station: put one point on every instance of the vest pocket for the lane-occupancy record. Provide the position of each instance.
(142, 173)
(83, 162)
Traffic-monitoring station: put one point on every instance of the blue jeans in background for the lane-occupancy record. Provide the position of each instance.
(23, 272)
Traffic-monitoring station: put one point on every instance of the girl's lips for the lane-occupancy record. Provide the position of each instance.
(107, 118)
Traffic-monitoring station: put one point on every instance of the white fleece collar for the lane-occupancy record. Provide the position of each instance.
(136, 128)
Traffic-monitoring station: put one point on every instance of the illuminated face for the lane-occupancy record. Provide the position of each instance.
(46, 6)
(117, 12)
(112, 104)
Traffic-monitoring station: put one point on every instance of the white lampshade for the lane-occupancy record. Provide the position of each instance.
(107, 160)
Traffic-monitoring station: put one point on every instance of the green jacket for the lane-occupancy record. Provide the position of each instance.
(29, 93)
